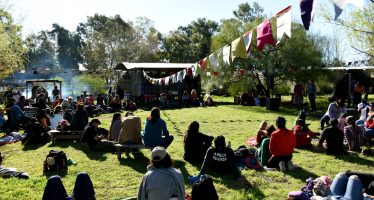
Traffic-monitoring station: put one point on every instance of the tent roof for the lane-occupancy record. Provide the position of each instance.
(351, 68)
(128, 66)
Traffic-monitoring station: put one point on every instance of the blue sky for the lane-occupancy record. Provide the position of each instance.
(167, 15)
(36, 15)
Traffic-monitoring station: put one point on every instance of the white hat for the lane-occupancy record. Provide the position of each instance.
(360, 106)
(158, 153)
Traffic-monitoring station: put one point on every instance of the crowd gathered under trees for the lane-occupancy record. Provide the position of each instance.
(140, 41)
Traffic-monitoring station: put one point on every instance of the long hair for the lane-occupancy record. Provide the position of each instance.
(155, 115)
(164, 163)
(116, 116)
(193, 129)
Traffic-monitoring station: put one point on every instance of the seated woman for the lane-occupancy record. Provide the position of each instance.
(57, 117)
(115, 104)
(186, 98)
(209, 101)
(354, 135)
(35, 133)
(262, 133)
(264, 152)
(352, 185)
(195, 143)
(93, 136)
(194, 98)
(130, 131)
(369, 125)
(162, 180)
(43, 119)
(115, 127)
(130, 106)
(155, 132)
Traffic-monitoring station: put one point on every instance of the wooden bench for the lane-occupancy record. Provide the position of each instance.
(65, 135)
(121, 147)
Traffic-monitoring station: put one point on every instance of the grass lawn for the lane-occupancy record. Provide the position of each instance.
(115, 179)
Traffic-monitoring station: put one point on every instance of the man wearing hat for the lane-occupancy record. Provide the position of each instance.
(363, 108)
(162, 180)
(282, 144)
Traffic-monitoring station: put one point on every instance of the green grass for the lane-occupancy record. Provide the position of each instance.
(115, 179)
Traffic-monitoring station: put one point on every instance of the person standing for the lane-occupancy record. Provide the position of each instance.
(312, 91)
(120, 92)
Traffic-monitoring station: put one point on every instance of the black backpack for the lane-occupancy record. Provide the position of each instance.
(55, 161)
(204, 189)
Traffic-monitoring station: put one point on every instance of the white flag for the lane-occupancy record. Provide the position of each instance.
(284, 25)
(339, 5)
(226, 52)
(213, 60)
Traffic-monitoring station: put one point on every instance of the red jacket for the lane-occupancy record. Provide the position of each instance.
(282, 142)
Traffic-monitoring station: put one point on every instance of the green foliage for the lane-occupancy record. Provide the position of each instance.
(94, 83)
(247, 13)
(117, 179)
(283, 88)
(69, 47)
(189, 43)
(12, 52)
(41, 51)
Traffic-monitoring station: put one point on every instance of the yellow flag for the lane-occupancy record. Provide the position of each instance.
(238, 48)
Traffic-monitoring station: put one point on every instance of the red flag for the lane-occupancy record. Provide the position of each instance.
(203, 64)
(215, 73)
(264, 35)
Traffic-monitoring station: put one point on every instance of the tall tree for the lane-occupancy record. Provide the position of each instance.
(108, 41)
(41, 51)
(12, 52)
(248, 13)
(68, 47)
(189, 43)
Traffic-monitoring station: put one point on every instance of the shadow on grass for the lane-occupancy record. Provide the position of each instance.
(349, 157)
(32, 146)
(302, 174)
(60, 173)
(232, 183)
(138, 162)
(91, 154)
(175, 126)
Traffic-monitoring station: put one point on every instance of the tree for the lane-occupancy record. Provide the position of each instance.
(12, 52)
(68, 47)
(359, 27)
(247, 13)
(189, 43)
(41, 51)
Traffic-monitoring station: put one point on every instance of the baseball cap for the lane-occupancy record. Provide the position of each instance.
(158, 153)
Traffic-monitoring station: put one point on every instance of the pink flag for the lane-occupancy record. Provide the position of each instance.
(264, 35)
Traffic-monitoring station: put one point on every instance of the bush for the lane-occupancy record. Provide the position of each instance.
(282, 89)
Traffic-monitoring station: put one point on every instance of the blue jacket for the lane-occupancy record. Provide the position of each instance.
(153, 132)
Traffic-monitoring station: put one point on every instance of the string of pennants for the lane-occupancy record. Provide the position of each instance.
(240, 47)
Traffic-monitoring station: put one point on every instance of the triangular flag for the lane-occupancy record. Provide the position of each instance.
(284, 24)
(226, 52)
(219, 57)
(307, 12)
(203, 64)
(264, 35)
(247, 40)
(213, 60)
(215, 73)
(238, 48)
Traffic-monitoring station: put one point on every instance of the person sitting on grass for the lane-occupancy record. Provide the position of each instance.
(262, 133)
(155, 132)
(263, 151)
(335, 110)
(130, 131)
(354, 135)
(83, 188)
(303, 134)
(93, 136)
(162, 180)
(221, 159)
(195, 143)
(43, 119)
(115, 127)
(35, 133)
(209, 101)
(334, 138)
(79, 119)
(282, 144)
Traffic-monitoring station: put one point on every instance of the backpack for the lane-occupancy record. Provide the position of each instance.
(55, 161)
(204, 189)
(252, 162)
(247, 157)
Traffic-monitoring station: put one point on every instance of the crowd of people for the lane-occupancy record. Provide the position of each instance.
(275, 144)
